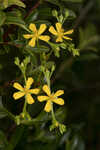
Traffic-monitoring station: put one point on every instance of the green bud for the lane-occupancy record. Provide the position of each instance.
(62, 128)
(53, 68)
(61, 18)
(26, 61)
(57, 48)
(63, 45)
(17, 120)
(66, 13)
(76, 52)
(22, 64)
(42, 68)
(5, 3)
(55, 124)
(55, 13)
(16, 61)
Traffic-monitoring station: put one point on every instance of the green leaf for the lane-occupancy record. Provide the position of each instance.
(6, 3)
(16, 20)
(2, 18)
(33, 16)
(16, 2)
(39, 49)
(4, 112)
(39, 22)
(55, 2)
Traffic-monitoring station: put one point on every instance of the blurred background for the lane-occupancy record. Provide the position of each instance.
(79, 76)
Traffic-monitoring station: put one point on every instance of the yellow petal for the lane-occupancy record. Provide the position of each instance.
(46, 90)
(44, 38)
(18, 86)
(34, 91)
(59, 39)
(69, 32)
(52, 30)
(59, 101)
(48, 106)
(29, 99)
(42, 98)
(27, 36)
(42, 29)
(29, 83)
(18, 95)
(58, 93)
(67, 38)
(59, 27)
(32, 27)
(32, 42)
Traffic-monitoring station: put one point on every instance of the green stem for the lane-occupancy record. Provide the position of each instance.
(24, 108)
(25, 78)
(10, 115)
(37, 43)
(25, 103)
(53, 115)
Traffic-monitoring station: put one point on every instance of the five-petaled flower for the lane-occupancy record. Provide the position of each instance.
(59, 33)
(36, 34)
(25, 91)
(51, 97)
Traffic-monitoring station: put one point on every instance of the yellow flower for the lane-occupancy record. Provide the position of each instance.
(26, 91)
(60, 32)
(51, 97)
(36, 34)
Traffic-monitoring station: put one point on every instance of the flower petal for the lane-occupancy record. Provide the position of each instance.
(18, 95)
(59, 39)
(29, 83)
(67, 38)
(59, 27)
(69, 32)
(48, 106)
(27, 36)
(42, 29)
(44, 38)
(18, 86)
(34, 91)
(32, 42)
(52, 30)
(59, 101)
(32, 27)
(58, 93)
(42, 98)
(29, 99)
(46, 90)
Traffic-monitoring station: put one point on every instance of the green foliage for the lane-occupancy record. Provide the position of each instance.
(71, 65)
(7, 3)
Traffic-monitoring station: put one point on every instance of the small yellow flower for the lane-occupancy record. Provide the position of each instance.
(26, 91)
(60, 32)
(51, 97)
(36, 34)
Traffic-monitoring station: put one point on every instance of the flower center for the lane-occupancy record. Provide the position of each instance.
(36, 35)
(26, 91)
(61, 32)
(51, 97)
